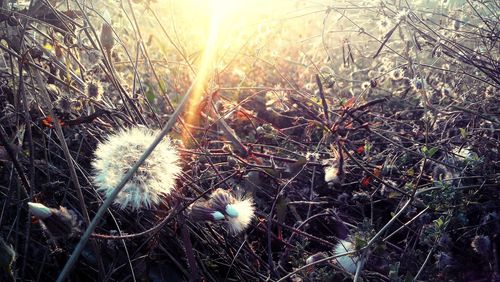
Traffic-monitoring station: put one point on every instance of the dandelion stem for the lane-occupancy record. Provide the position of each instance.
(86, 235)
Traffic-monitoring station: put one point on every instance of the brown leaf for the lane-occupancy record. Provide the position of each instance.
(366, 181)
(349, 104)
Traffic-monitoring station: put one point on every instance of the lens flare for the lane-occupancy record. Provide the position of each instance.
(206, 64)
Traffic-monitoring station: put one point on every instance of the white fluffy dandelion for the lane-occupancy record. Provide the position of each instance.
(240, 215)
(154, 179)
(235, 213)
(348, 262)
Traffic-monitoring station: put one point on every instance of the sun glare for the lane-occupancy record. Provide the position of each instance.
(207, 62)
(223, 16)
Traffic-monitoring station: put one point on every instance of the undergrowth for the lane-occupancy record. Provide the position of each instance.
(370, 124)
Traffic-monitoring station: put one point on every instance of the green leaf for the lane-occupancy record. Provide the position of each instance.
(7, 258)
(429, 152)
(432, 151)
(394, 272)
(463, 133)
(150, 94)
(438, 222)
(282, 209)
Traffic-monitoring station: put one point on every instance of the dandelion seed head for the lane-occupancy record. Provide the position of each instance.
(244, 211)
(348, 262)
(201, 211)
(384, 23)
(94, 90)
(396, 74)
(417, 84)
(234, 213)
(331, 173)
(220, 198)
(154, 179)
(489, 92)
(481, 244)
(366, 85)
(402, 15)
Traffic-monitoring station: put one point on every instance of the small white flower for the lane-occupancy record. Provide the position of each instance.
(331, 173)
(312, 156)
(348, 262)
(402, 15)
(154, 179)
(396, 74)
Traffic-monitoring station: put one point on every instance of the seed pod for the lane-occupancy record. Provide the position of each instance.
(40, 211)
(58, 223)
(58, 50)
(481, 245)
(107, 39)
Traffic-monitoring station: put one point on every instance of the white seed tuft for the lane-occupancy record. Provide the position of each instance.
(40, 211)
(348, 262)
(154, 179)
(244, 210)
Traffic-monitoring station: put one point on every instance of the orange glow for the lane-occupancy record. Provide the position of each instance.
(219, 28)
(205, 67)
